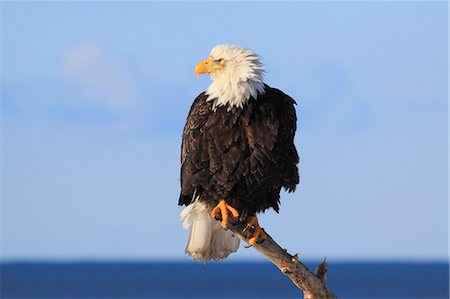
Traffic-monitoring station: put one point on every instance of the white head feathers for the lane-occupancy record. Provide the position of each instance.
(240, 79)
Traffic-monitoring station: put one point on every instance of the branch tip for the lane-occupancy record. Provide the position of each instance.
(321, 271)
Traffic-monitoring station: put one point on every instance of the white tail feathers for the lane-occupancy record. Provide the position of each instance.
(207, 239)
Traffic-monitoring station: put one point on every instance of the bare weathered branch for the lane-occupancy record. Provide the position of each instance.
(313, 286)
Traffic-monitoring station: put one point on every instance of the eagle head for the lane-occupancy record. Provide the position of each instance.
(237, 75)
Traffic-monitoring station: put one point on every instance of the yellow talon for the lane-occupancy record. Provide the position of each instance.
(224, 210)
(258, 233)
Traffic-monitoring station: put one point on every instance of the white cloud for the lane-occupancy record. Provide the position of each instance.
(102, 77)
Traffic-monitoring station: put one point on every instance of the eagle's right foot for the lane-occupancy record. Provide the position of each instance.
(224, 210)
(258, 232)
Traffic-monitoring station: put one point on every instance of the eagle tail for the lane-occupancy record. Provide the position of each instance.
(207, 240)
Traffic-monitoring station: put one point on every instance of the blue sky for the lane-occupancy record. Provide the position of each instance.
(95, 95)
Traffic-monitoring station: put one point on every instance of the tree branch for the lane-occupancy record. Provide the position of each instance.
(313, 285)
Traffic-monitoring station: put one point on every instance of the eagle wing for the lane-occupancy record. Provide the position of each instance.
(270, 133)
(285, 153)
(192, 144)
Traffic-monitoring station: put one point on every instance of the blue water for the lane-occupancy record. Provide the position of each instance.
(216, 280)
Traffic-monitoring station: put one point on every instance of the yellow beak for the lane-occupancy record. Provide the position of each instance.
(203, 67)
(206, 66)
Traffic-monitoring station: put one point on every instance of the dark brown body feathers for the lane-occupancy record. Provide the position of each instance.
(244, 156)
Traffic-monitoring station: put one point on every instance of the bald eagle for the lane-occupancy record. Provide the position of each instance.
(237, 152)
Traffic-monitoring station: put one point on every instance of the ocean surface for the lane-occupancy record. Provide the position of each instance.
(216, 280)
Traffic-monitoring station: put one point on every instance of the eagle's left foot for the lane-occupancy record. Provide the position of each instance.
(258, 233)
